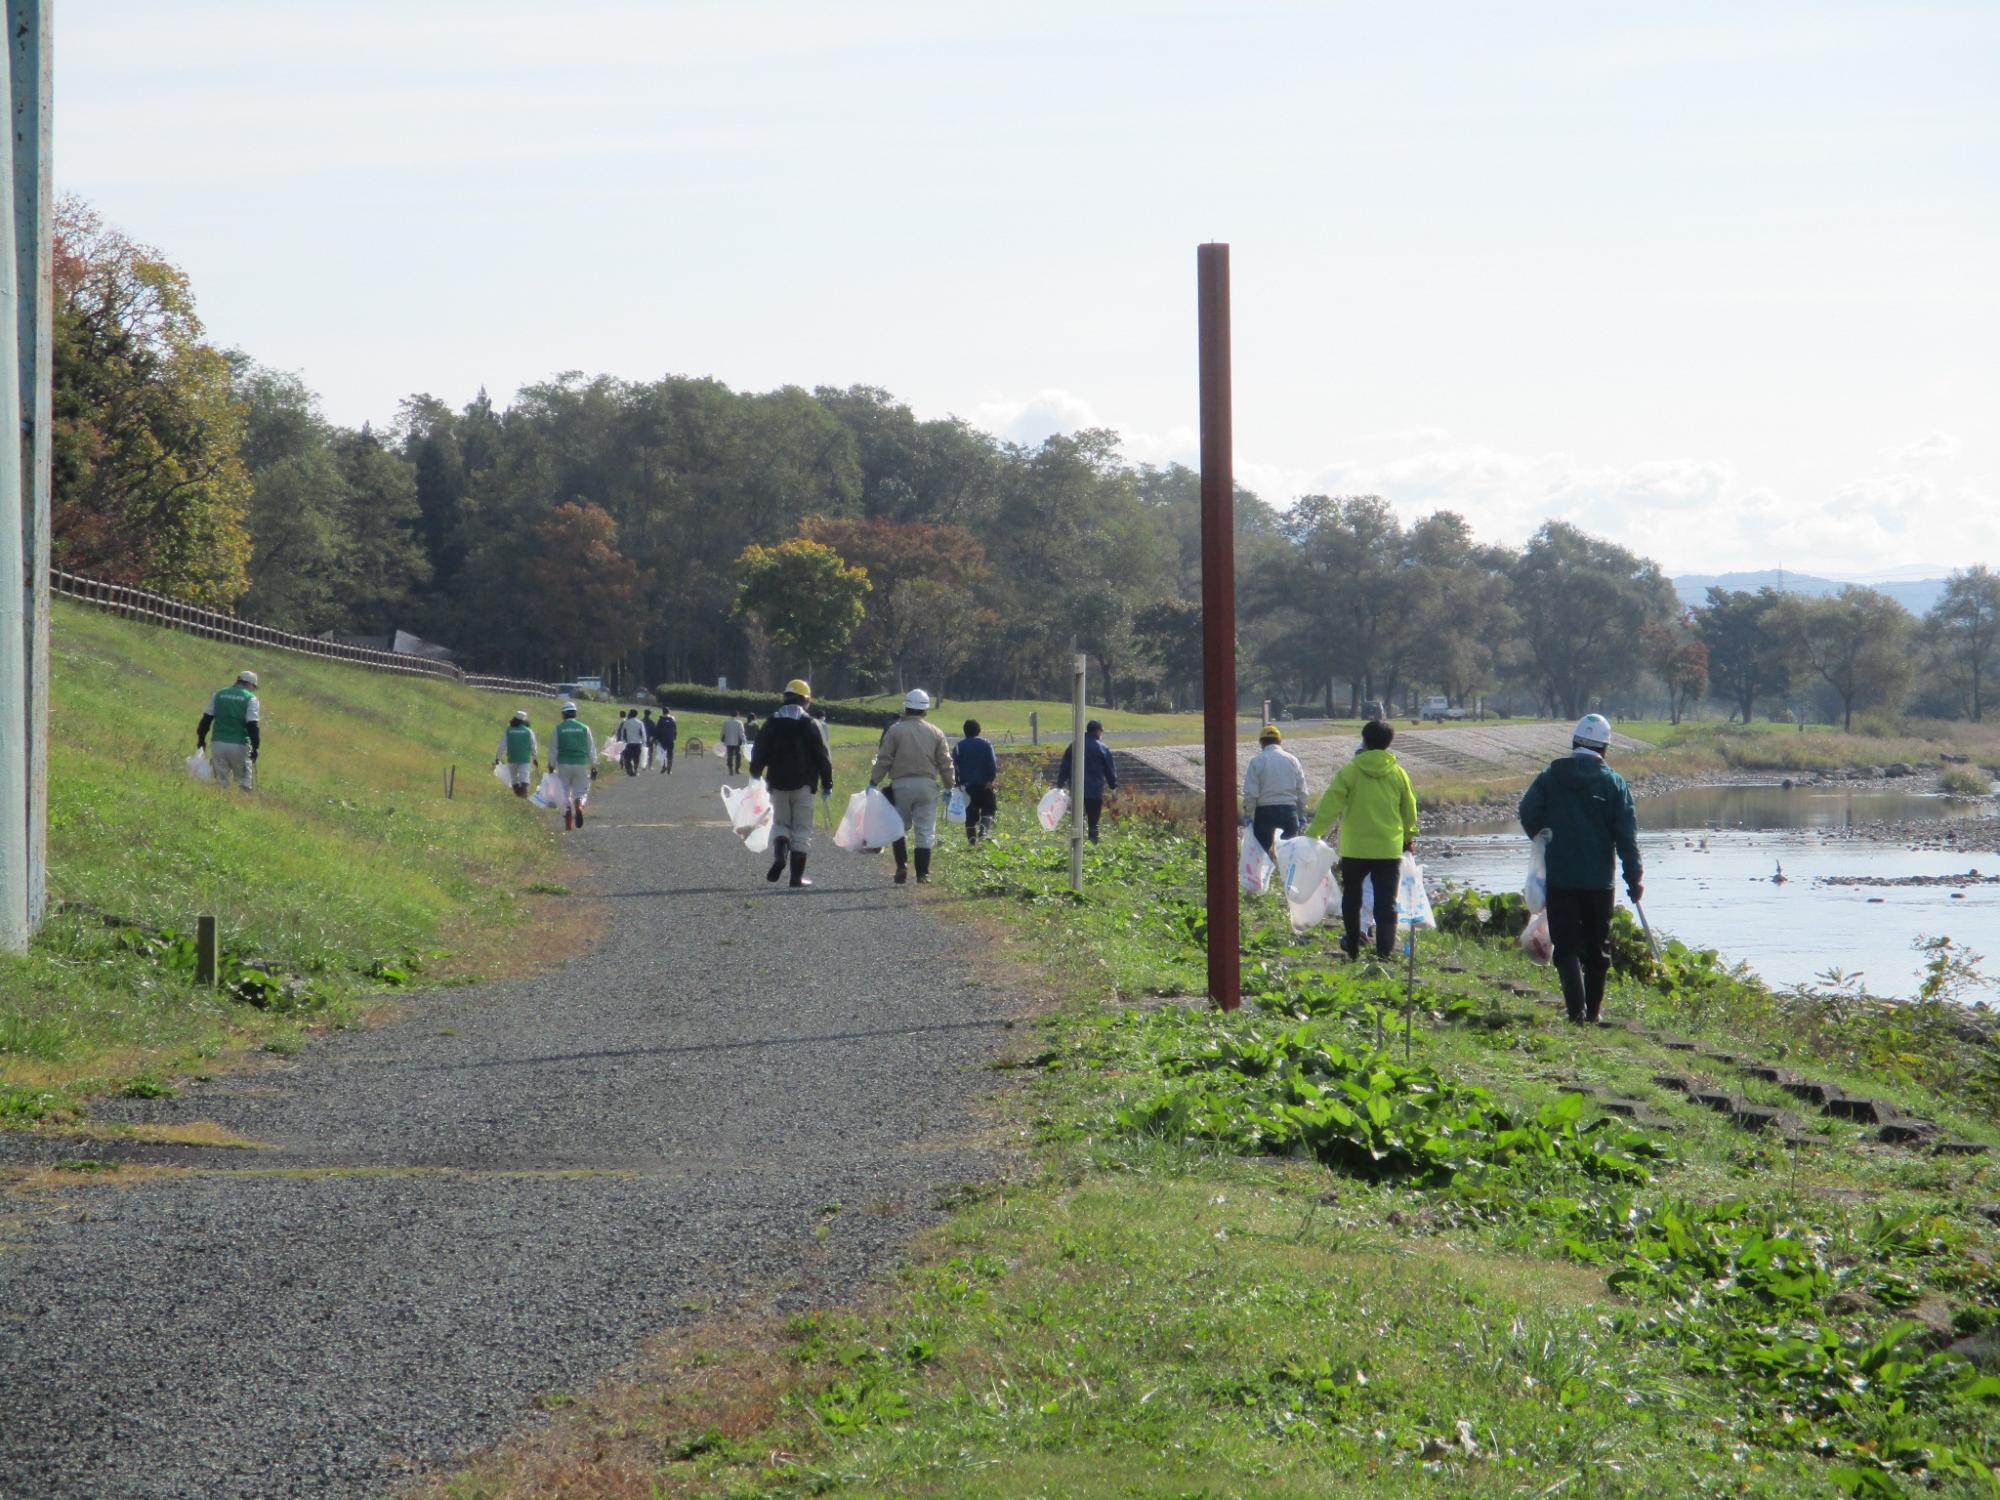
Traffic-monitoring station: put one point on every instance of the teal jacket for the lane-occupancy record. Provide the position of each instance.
(1372, 799)
(1588, 811)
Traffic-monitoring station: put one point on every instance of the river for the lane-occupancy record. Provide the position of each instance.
(1711, 854)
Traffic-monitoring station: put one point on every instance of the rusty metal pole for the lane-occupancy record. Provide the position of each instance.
(1218, 625)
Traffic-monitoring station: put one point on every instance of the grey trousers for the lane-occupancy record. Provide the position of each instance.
(792, 817)
(917, 801)
(232, 761)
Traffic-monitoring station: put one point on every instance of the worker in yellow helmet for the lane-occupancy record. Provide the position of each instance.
(791, 755)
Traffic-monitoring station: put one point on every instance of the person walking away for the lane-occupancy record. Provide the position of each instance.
(1100, 774)
(575, 764)
(631, 736)
(977, 769)
(1372, 800)
(232, 723)
(666, 730)
(1274, 790)
(791, 755)
(732, 739)
(915, 758)
(519, 753)
(1587, 811)
(652, 738)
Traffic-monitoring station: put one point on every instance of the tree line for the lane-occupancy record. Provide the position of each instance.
(679, 530)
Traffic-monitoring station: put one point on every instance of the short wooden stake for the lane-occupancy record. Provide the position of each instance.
(206, 951)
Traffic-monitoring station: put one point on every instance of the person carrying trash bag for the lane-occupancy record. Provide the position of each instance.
(1274, 790)
(232, 723)
(1587, 810)
(977, 769)
(519, 753)
(915, 758)
(1372, 800)
(791, 755)
(575, 760)
(732, 739)
(1100, 774)
(631, 736)
(666, 732)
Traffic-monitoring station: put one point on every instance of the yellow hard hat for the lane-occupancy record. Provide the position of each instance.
(800, 686)
(1272, 734)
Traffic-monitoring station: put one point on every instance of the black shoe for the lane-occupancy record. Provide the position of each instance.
(799, 872)
(780, 849)
(923, 867)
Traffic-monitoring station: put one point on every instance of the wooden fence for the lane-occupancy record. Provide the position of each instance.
(175, 615)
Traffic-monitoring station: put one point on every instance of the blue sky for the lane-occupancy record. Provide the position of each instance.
(1719, 281)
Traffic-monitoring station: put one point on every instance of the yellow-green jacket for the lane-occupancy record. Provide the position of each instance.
(1372, 800)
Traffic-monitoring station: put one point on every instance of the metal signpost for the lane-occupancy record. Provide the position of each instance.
(1077, 782)
(1218, 625)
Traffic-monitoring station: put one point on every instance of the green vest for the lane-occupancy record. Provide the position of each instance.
(520, 744)
(232, 715)
(572, 743)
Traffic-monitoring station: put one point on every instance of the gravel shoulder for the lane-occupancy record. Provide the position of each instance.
(742, 1089)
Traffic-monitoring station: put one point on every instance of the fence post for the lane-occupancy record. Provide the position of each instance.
(206, 950)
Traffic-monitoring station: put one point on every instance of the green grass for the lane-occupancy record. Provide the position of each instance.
(347, 870)
(1262, 1255)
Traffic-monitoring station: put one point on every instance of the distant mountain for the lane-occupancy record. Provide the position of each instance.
(1916, 595)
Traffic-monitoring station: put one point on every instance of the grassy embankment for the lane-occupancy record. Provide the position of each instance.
(1278, 1255)
(348, 871)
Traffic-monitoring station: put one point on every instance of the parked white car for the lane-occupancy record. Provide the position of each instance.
(1437, 706)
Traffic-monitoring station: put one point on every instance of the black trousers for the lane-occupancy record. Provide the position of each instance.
(1388, 876)
(663, 752)
(1093, 809)
(629, 757)
(1580, 931)
(732, 760)
(980, 804)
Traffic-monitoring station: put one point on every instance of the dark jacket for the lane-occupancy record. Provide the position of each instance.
(1099, 772)
(790, 752)
(974, 761)
(666, 729)
(1588, 811)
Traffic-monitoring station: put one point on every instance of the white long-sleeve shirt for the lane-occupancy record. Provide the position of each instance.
(1274, 778)
(631, 732)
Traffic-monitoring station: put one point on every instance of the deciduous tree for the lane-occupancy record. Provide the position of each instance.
(1857, 642)
(1962, 632)
(804, 594)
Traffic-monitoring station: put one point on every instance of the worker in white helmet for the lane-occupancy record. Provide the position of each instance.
(1587, 811)
(915, 758)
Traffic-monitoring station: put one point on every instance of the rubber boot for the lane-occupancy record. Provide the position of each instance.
(799, 871)
(579, 815)
(569, 820)
(780, 848)
(923, 867)
(901, 849)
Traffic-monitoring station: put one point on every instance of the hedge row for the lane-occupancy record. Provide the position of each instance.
(688, 697)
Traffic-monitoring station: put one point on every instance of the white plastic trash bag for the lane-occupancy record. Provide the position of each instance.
(1313, 910)
(719, 750)
(1535, 939)
(1536, 891)
(549, 793)
(747, 805)
(1413, 902)
(1050, 810)
(503, 773)
(199, 768)
(1253, 866)
(1303, 863)
(954, 810)
(870, 822)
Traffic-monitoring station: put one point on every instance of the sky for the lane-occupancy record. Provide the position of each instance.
(1720, 282)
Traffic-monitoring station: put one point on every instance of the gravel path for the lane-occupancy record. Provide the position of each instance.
(742, 1089)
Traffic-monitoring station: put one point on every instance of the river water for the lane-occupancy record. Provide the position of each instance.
(1711, 854)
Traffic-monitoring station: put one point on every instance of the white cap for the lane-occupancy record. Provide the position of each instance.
(917, 699)
(520, 716)
(248, 679)
(569, 708)
(1593, 730)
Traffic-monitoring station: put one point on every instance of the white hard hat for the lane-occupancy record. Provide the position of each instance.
(569, 708)
(917, 699)
(520, 716)
(248, 679)
(1592, 729)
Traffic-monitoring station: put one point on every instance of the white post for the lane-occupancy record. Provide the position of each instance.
(33, 78)
(14, 583)
(1077, 779)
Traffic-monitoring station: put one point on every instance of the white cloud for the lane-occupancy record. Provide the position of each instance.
(1932, 448)
(1691, 514)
